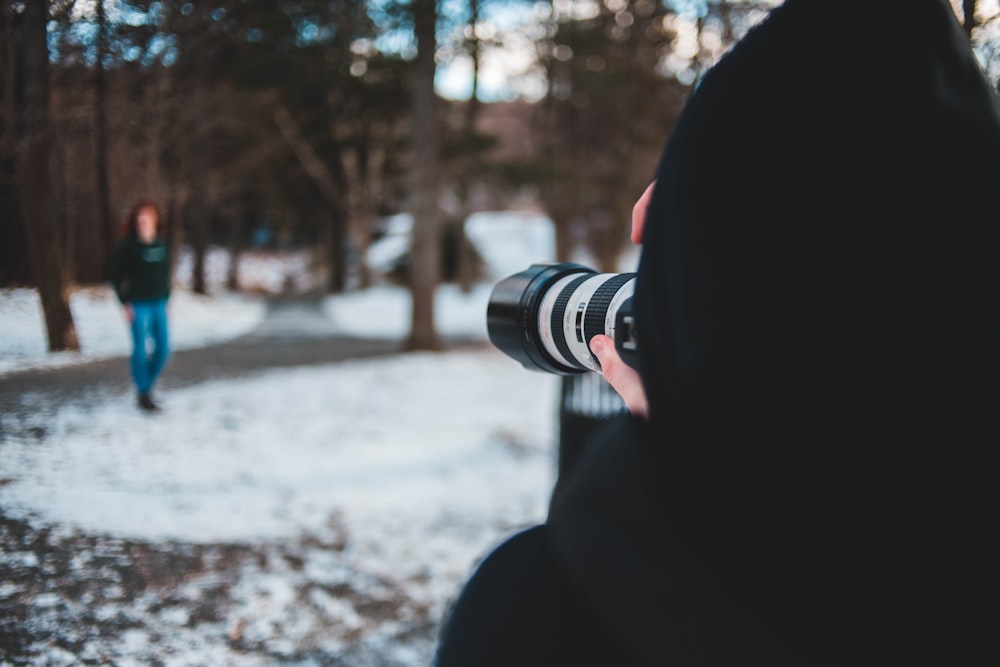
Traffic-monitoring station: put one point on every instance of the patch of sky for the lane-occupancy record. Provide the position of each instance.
(136, 17)
(162, 48)
(396, 30)
(82, 32)
(565, 10)
(117, 11)
(689, 8)
(310, 30)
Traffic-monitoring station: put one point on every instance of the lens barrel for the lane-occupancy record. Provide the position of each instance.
(545, 316)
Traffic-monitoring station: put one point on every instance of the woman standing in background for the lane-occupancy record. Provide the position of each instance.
(140, 274)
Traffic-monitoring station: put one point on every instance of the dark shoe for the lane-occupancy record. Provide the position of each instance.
(146, 403)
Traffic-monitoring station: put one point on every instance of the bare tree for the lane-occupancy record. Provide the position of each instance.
(104, 220)
(425, 181)
(14, 267)
(330, 222)
(470, 156)
(606, 114)
(362, 168)
(34, 181)
(969, 18)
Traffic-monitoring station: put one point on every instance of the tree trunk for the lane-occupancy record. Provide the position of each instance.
(362, 176)
(34, 180)
(105, 225)
(14, 267)
(969, 18)
(337, 259)
(563, 239)
(72, 229)
(197, 222)
(238, 224)
(424, 183)
(466, 269)
(326, 180)
(175, 209)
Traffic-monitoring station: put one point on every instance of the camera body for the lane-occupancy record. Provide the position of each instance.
(545, 316)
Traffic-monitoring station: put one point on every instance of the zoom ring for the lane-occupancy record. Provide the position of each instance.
(597, 309)
(558, 315)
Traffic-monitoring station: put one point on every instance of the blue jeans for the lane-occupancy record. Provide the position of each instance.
(149, 324)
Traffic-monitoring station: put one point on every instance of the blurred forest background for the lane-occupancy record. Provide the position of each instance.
(304, 123)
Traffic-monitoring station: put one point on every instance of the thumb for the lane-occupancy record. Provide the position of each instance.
(603, 348)
(623, 378)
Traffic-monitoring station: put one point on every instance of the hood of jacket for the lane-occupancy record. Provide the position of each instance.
(818, 343)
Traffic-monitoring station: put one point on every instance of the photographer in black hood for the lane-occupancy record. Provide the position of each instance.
(820, 350)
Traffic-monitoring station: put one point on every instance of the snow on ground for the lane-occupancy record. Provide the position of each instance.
(306, 516)
(415, 467)
(269, 456)
(382, 311)
(103, 330)
(195, 320)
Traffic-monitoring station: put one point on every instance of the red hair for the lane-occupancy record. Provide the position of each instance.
(128, 225)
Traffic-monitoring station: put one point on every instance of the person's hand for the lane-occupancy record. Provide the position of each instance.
(639, 213)
(623, 378)
(129, 313)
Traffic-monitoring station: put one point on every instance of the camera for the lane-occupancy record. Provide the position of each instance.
(545, 316)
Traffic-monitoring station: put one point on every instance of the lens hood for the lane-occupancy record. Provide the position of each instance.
(513, 310)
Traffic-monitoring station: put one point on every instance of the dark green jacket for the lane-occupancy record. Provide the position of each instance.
(141, 271)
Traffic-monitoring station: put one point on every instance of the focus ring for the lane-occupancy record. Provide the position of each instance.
(558, 315)
(597, 308)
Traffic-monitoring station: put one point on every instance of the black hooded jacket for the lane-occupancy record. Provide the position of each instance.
(820, 345)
